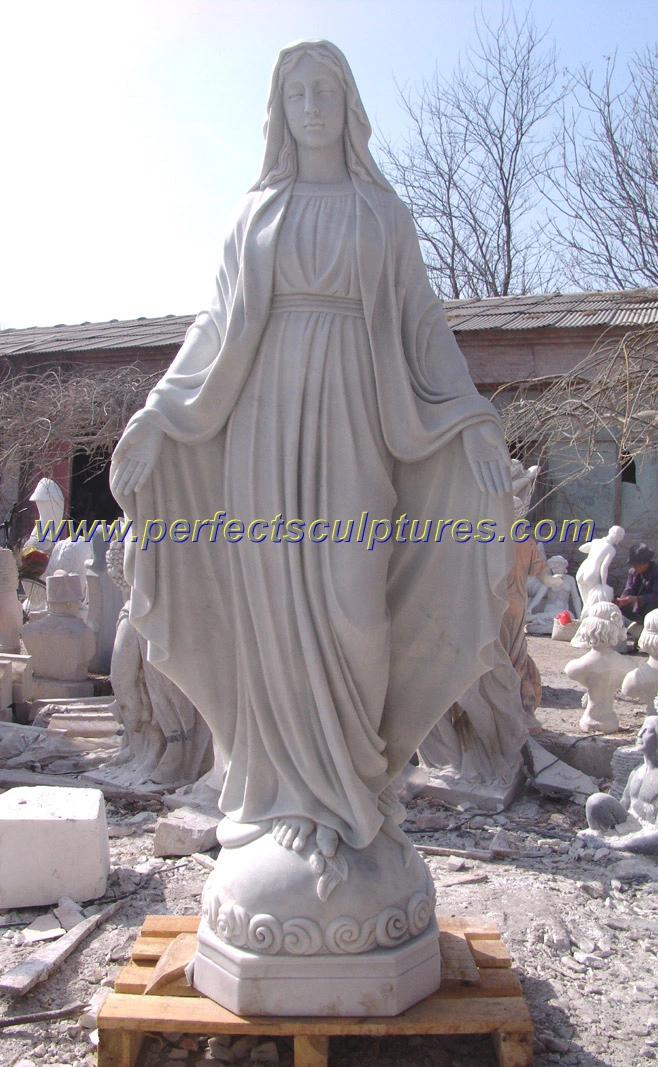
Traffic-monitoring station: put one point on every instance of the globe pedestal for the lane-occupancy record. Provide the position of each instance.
(298, 933)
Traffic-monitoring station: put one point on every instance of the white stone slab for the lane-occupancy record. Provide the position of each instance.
(54, 844)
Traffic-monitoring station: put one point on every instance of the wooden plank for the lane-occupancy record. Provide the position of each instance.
(119, 1048)
(457, 964)
(169, 925)
(172, 963)
(198, 1015)
(150, 948)
(135, 977)
(494, 982)
(41, 964)
(513, 1049)
(490, 954)
(474, 927)
(311, 1051)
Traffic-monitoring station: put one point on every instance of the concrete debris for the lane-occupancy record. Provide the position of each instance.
(184, 832)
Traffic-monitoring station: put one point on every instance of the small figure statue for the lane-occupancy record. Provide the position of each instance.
(60, 642)
(642, 683)
(634, 819)
(49, 500)
(602, 669)
(11, 612)
(558, 600)
(592, 575)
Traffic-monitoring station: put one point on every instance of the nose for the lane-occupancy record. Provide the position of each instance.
(311, 107)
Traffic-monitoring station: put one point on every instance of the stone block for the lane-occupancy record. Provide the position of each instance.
(54, 844)
(55, 687)
(21, 669)
(6, 681)
(183, 832)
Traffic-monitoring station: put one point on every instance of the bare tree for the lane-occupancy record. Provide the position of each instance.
(46, 415)
(609, 399)
(473, 165)
(608, 185)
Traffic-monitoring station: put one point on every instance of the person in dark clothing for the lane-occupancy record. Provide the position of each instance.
(641, 592)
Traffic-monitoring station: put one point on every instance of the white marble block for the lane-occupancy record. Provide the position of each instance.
(54, 844)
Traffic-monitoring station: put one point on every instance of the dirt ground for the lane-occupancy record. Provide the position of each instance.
(580, 925)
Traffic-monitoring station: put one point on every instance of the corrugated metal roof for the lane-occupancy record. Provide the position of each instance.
(118, 333)
(635, 307)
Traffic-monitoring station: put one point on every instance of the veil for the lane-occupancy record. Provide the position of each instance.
(280, 160)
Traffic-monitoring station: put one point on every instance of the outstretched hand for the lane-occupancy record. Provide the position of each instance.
(135, 457)
(487, 454)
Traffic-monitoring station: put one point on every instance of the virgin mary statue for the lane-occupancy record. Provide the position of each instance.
(301, 451)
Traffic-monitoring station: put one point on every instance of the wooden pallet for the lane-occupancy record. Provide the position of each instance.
(479, 994)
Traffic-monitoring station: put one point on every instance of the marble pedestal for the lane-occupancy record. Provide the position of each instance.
(381, 982)
(289, 932)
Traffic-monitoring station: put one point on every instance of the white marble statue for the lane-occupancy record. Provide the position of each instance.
(630, 825)
(49, 500)
(602, 669)
(11, 612)
(542, 613)
(642, 682)
(592, 575)
(165, 741)
(322, 392)
(60, 642)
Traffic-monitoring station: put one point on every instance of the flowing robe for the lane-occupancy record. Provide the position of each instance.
(439, 604)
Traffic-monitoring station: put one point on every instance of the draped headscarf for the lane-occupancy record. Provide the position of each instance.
(280, 161)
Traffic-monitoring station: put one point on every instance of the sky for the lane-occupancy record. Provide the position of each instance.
(131, 128)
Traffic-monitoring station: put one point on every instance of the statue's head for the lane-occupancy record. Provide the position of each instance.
(647, 739)
(602, 627)
(616, 535)
(344, 119)
(648, 639)
(557, 565)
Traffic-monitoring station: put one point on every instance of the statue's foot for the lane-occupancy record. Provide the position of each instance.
(292, 831)
(327, 841)
(390, 805)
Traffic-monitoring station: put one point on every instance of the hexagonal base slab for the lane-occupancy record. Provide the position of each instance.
(381, 982)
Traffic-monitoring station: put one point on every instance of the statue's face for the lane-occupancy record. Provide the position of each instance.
(314, 104)
(647, 741)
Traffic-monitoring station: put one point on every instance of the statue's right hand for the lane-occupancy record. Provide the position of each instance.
(135, 457)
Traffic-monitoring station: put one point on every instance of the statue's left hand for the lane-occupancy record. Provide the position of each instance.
(487, 454)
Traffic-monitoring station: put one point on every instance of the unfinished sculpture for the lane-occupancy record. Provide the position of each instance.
(543, 612)
(323, 391)
(592, 575)
(105, 602)
(11, 612)
(602, 669)
(60, 642)
(165, 740)
(642, 683)
(474, 753)
(529, 561)
(630, 825)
